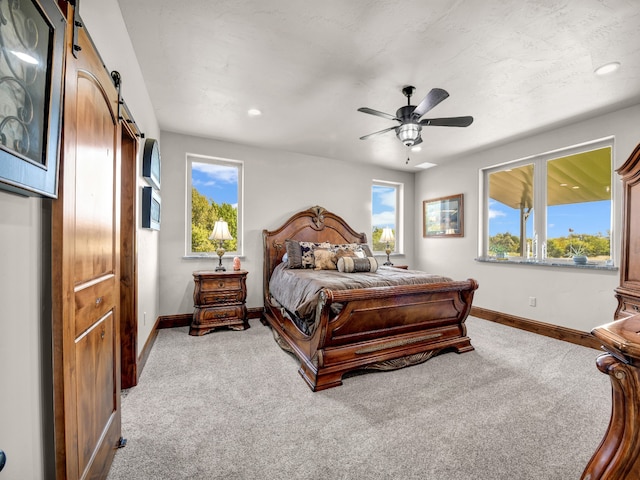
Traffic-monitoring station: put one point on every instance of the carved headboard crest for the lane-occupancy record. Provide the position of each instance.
(318, 220)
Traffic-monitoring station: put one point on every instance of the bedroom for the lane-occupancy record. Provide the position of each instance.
(165, 286)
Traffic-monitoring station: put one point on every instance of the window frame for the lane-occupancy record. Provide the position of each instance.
(399, 227)
(540, 162)
(199, 158)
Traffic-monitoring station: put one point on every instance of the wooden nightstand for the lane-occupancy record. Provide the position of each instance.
(405, 267)
(219, 301)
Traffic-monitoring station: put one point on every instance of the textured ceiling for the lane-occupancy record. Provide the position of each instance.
(516, 66)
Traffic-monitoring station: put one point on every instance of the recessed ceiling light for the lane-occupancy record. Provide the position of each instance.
(254, 112)
(426, 165)
(575, 187)
(607, 68)
(563, 184)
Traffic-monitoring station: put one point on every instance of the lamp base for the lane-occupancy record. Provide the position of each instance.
(220, 253)
(388, 264)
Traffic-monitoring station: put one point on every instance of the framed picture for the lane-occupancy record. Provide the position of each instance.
(151, 162)
(32, 49)
(151, 208)
(443, 217)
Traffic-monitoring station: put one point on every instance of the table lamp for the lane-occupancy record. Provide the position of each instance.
(387, 237)
(220, 233)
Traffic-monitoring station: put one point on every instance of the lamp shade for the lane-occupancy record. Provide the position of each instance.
(220, 231)
(387, 235)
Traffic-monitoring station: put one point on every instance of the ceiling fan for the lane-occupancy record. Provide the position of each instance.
(408, 132)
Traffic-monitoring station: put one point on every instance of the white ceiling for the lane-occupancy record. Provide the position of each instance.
(516, 66)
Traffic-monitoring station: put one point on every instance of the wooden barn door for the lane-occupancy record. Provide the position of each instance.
(86, 270)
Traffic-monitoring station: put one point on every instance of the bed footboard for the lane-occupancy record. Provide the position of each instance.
(377, 328)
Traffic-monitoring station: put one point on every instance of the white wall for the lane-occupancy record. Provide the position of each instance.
(26, 417)
(574, 298)
(21, 331)
(276, 185)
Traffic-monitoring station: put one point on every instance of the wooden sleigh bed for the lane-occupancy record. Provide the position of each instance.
(382, 328)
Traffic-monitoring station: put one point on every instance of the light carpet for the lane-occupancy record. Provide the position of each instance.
(231, 405)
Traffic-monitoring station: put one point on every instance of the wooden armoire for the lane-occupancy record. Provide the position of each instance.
(618, 456)
(628, 292)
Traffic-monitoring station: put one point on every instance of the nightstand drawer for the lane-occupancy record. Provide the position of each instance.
(214, 298)
(217, 284)
(220, 314)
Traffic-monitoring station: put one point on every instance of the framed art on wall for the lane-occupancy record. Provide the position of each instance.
(443, 217)
(151, 208)
(151, 162)
(32, 46)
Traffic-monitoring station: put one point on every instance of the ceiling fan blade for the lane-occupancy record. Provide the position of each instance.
(433, 98)
(378, 133)
(447, 122)
(371, 111)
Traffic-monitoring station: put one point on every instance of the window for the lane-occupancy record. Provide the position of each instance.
(551, 207)
(385, 213)
(214, 191)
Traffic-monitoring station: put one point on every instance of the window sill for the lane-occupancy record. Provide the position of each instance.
(548, 263)
(212, 256)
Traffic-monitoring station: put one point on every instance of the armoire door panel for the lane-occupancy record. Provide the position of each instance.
(95, 175)
(95, 387)
(633, 243)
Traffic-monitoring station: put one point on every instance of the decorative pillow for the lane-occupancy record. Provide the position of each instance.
(341, 252)
(354, 264)
(307, 252)
(360, 249)
(294, 253)
(324, 259)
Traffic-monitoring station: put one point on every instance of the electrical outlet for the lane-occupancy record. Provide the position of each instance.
(532, 301)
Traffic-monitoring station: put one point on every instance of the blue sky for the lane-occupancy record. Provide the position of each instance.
(584, 218)
(216, 182)
(383, 206)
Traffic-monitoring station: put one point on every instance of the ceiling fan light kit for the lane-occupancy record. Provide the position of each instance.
(410, 128)
(408, 133)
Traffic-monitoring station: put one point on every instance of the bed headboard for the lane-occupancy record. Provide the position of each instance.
(313, 225)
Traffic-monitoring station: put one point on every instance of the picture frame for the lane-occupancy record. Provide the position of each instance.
(151, 162)
(151, 208)
(443, 217)
(31, 84)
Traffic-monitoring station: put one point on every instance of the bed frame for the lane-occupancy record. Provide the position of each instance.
(381, 328)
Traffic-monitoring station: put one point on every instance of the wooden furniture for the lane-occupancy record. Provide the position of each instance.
(377, 328)
(404, 267)
(628, 293)
(219, 301)
(618, 455)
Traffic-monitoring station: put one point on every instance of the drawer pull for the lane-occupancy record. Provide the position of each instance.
(220, 284)
(636, 308)
(98, 301)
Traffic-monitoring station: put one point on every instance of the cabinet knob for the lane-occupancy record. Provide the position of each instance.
(98, 301)
(220, 284)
